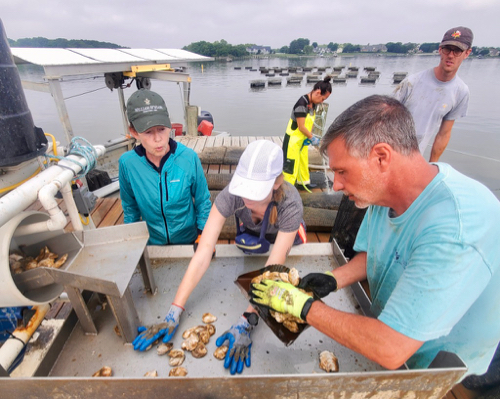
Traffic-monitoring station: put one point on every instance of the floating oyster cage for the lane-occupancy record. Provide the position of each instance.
(284, 334)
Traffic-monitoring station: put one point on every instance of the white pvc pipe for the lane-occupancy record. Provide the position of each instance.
(13, 346)
(57, 219)
(23, 196)
(74, 216)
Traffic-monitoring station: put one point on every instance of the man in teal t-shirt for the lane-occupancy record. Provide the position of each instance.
(428, 246)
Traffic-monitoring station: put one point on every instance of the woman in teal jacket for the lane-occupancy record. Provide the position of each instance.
(161, 181)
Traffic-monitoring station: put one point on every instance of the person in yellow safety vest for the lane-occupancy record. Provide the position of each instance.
(299, 135)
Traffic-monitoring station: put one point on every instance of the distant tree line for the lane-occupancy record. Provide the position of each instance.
(60, 43)
(217, 49)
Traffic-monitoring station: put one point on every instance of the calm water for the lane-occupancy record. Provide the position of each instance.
(225, 92)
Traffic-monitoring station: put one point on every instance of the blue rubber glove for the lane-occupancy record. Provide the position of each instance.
(240, 343)
(148, 335)
(306, 142)
(315, 140)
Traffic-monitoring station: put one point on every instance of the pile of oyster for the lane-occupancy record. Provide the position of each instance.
(19, 263)
(290, 322)
(195, 340)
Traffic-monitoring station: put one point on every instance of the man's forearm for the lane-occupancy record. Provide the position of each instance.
(352, 272)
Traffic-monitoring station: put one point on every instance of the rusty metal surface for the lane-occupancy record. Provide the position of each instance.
(429, 384)
(277, 371)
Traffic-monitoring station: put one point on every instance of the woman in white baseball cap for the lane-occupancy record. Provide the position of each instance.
(266, 209)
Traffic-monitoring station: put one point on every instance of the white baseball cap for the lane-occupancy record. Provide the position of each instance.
(259, 166)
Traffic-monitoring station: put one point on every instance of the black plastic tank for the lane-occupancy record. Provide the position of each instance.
(205, 116)
(20, 139)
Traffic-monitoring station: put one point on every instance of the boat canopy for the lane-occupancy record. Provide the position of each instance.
(114, 64)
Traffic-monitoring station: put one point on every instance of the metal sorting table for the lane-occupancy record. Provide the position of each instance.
(101, 260)
(276, 371)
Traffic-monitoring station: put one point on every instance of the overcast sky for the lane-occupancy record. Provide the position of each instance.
(275, 23)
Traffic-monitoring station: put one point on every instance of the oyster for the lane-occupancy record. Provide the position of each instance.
(117, 331)
(47, 262)
(204, 336)
(188, 332)
(163, 349)
(200, 350)
(293, 276)
(190, 342)
(152, 373)
(59, 262)
(211, 329)
(178, 372)
(176, 357)
(103, 372)
(208, 318)
(284, 277)
(220, 352)
(328, 362)
(291, 325)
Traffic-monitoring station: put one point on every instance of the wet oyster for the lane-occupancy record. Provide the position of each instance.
(211, 329)
(293, 276)
(208, 318)
(328, 362)
(152, 373)
(200, 350)
(103, 372)
(59, 262)
(188, 332)
(190, 342)
(204, 336)
(291, 325)
(220, 352)
(178, 372)
(176, 357)
(163, 349)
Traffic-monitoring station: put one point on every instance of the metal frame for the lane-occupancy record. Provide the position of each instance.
(55, 72)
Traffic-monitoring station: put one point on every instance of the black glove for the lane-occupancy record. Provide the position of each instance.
(320, 283)
(197, 241)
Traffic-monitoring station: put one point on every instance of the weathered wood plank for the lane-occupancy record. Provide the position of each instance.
(243, 141)
(210, 141)
(100, 212)
(113, 215)
(213, 169)
(200, 144)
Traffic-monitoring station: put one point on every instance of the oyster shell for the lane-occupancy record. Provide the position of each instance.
(163, 349)
(220, 352)
(103, 372)
(176, 357)
(200, 350)
(291, 325)
(152, 373)
(284, 277)
(47, 262)
(208, 318)
(328, 362)
(190, 342)
(188, 332)
(211, 329)
(204, 336)
(293, 276)
(59, 262)
(178, 372)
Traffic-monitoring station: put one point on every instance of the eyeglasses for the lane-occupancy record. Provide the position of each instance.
(456, 51)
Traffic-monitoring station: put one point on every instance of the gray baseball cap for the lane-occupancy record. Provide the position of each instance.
(146, 109)
(460, 37)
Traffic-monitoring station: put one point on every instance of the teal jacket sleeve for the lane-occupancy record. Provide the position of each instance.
(201, 195)
(131, 211)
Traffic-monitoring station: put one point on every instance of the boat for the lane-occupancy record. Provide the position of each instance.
(92, 304)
